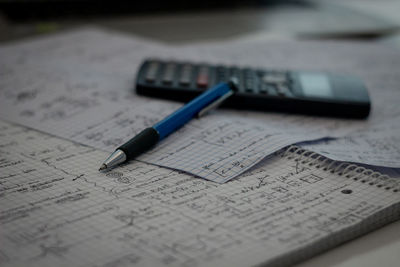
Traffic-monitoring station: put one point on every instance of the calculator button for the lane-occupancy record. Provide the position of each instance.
(152, 72)
(186, 74)
(282, 90)
(234, 72)
(169, 73)
(275, 77)
(260, 73)
(263, 89)
(203, 77)
(221, 74)
(248, 89)
(249, 85)
(249, 80)
(272, 90)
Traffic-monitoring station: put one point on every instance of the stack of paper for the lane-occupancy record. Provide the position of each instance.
(80, 86)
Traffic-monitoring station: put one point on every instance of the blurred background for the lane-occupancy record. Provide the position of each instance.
(179, 21)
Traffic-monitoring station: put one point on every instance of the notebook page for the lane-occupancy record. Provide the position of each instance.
(80, 90)
(379, 145)
(57, 210)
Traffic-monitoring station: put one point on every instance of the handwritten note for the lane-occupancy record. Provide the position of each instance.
(80, 86)
(379, 146)
(223, 149)
(57, 210)
(377, 66)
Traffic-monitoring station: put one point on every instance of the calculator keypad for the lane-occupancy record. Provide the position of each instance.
(251, 81)
(258, 89)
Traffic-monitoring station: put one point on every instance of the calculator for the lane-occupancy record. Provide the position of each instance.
(303, 92)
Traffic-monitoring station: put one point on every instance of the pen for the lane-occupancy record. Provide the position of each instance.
(150, 136)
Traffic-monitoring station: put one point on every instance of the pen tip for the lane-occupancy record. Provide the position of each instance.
(103, 167)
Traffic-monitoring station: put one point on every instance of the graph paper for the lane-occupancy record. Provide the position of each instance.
(79, 86)
(57, 210)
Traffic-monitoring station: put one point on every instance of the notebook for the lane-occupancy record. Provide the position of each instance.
(79, 85)
(58, 210)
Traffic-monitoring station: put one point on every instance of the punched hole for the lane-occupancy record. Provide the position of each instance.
(347, 191)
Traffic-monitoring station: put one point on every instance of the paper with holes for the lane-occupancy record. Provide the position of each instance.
(57, 210)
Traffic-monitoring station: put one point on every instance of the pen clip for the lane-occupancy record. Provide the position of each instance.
(214, 104)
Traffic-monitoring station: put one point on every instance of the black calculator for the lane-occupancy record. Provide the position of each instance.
(304, 92)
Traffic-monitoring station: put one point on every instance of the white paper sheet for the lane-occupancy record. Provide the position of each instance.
(80, 86)
(379, 146)
(57, 210)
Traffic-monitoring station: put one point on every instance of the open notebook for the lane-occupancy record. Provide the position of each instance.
(57, 210)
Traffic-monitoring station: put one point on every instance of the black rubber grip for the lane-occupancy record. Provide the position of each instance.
(140, 143)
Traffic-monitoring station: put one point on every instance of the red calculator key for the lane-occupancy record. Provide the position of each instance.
(203, 77)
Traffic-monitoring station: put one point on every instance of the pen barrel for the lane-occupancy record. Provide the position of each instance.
(184, 114)
(139, 144)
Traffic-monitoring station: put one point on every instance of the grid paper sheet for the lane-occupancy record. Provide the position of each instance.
(78, 85)
(375, 146)
(57, 210)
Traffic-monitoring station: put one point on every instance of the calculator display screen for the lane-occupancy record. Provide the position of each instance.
(315, 85)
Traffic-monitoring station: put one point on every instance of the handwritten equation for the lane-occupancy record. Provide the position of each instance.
(80, 86)
(58, 210)
(378, 146)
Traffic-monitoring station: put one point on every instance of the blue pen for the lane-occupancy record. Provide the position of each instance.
(150, 136)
